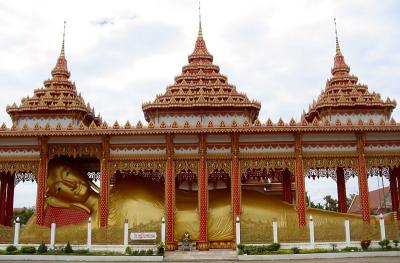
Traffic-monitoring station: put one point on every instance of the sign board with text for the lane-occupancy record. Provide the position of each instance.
(143, 235)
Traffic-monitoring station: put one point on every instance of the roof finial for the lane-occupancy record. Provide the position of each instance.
(200, 30)
(62, 54)
(337, 39)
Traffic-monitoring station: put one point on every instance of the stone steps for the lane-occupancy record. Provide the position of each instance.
(195, 255)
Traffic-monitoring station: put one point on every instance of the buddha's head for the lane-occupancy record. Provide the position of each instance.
(67, 186)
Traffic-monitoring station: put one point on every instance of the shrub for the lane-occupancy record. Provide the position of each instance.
(11, 249)
(350, 249)
(149, 252)
(142, 253)
(135, 253)
(258, 250)
(365, 244)
(395, 242)
(68, 249)
(274, 247)
(42, 248)
(160, 248)
(384, 243)
(28, 250)
(295, 250)
(128, 250)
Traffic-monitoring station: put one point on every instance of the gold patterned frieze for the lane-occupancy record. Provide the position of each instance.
(279, 163)
(382, 161)
(186, 164)
(75, 150)
(218, 164)
(19, 166)
(333, 162)
(137, 165)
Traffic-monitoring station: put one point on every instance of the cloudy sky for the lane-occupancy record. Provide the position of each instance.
(123, 53)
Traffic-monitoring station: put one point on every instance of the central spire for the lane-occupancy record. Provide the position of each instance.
(61, 68)
(200, 52)
(340, 68)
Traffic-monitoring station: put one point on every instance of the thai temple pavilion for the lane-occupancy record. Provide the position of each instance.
(202, 155)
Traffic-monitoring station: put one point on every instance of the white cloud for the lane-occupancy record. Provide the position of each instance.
(122, 53)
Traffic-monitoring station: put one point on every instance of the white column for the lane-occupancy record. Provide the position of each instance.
(237, 230)
(275, 230)
(312, 238)
(126, 234)
(382, 227)
(163, 230)
(347, 229)
(17, 227)
(89, 233)
(53, 235)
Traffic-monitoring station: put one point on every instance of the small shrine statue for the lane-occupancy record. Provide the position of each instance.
(186, 242)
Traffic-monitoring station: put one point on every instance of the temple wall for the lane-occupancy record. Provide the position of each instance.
(141, 151)
(278, 137)
(20, 153)
(31, 122)
(267, 149)
(55, 140)
(355, 117)
(24, 141)
(203, 119)
(324, 148)
(137, 139)
(318, 137)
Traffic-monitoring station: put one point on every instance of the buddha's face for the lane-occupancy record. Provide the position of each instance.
(66, 183)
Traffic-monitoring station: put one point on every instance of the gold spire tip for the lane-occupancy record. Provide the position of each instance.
(336, 34)
(62, 54)
(200, 30)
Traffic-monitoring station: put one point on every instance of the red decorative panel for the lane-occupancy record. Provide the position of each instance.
(41, 185)
(104, 193)
(341, 189)
(394, 191)
(64, 216)
(169, 201)
(363, 188)
(203, 189)
(301, 207)
(235, 187)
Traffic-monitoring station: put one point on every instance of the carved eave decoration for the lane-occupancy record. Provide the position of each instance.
(383, 161)
(329, 162)
(136, 166)
(268, 164)
(75, 150)
(20, 166)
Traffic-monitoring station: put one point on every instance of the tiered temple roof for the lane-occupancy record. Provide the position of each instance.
(57, 99)
(344, 95)
(201, 88)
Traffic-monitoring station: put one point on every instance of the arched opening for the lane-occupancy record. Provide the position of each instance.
(186, 204)
(220, 220)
